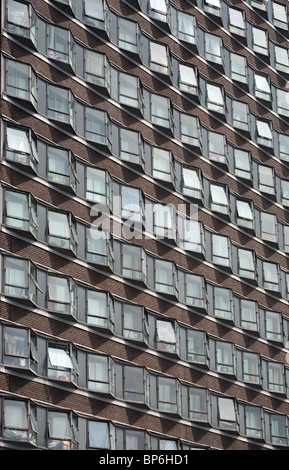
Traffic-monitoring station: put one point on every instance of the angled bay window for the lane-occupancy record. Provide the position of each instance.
(160, 60)
(131, 147)
(226, 412)
(264, 133)
(99, 309)
(61, 295)
(132, 204)
(163, 165)
(166, 336)
(130, 91)
(242, 164)
(195, 290)
(219, 199)
(196, 346)
(97, 126)
(19, 421)
(190, 133)
(283, 102)
(188, 79)
(134, 323)
(98, 186)
(246, 263)
(133, 262)
(164, 221)
(241, 115)
(239, 68)
(133, 383)
(276, 429)
(128, 35)
(225, 357)
(21, 20)
(281, 59)
(97, 69)
(214, 49)
(260, 41)
(262, 87)
(99, 435)
(274, 377)
(221, 250)
(167, 394)
(217, 147)
(96, 14)
(273, 326)
(98, 247)
(271, 276)
(62, 430)
(61, 46)
(21, 82)
(237, 23)
(20, 211)
(61, 167)
(61, 230)
(250, 367)
(244, 214)
(61, 105)
(215, 98)
(280, 15)
(20, 348)
(198, 404)
(165, 277)
(249, 318)
(161, 112)
(61, 362)
(251, 420)
(223, 303)
(183, 25)
(192, 182)
(20, 279)
(269, 227)
(99, 373)
(266, 176)
(191, 235)
(20, 146)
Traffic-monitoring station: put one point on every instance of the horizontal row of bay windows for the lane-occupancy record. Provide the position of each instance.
(21, 348)
(28, 424)
(36, 287)
(112, 378)
(22, 20)
(59, 104)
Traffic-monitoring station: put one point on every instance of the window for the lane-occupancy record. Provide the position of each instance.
(264, 133)
(217, 147)
(160, 60)
(165, 277)
(61, 167)
(214, 48)
(183, 25)
(269, 227)
(164, 220)
(198, 404)
(253, 421)
(190, 130)
(134, 323)
(273, 326)
(97, 126)
(271, 276)
(239, 69)
(99, 373)
(219, 199)
(249, 315)
(191, 235)
(134, 384)
(215, 98)
(244, 214)
(285, 192)
(134, 262)
(227, 417)
(21, 82)
(165, 336)
(98, 186)
(280, 18)
(132, 204)
(275, 377)
(96, 14)
(61, 105)
(242, 164)
(97, 69)
(283, 102)
(131, 147)
(246, 262)
(266, 179)
(260, 41)
(21, 20)
(99, 247)
(221, 250)
(158, 10)
(213, 7)
(62, 230)
(188, 79)
(161, 111)
(128, 35)
(281, 59)
(285, 246)
(163, 167)
(196, 345)
(20, 279)
(262, 87)
(237, 22)
(192, 182)
(20, 146)
(167, 394)
(60, 45)
(19, 421)
(61, 295)
(99, 308)
(21, 211)
(223, 305)
(20, 348)
(276, 429)
(98, 435)
(130, 91)
(61, 363)
(240, 115)
(195, 290)
(251, 367)
(62, 431)
(224, 357)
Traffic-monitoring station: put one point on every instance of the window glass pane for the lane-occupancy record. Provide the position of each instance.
(198, 404)
(15, 414)
(127, 34)
(58, 43)
(248, 314)
(98, 373)
(238, 68)
(98, 433)
(213, 48)
(94, 64)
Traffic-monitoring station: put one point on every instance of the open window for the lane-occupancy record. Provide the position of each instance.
(62, 431)
(20, 421)
(20, 279)
(21, 146)
(20, 212)
(61, 362)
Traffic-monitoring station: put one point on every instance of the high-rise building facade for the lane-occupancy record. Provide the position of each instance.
(144, 225)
